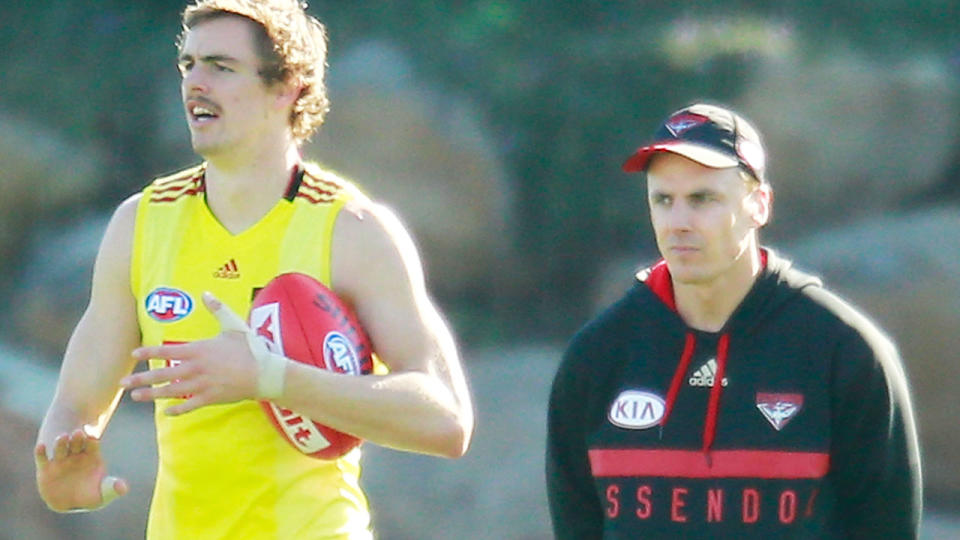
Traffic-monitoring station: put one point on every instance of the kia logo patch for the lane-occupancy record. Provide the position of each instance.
(166, 304)
(636, 409)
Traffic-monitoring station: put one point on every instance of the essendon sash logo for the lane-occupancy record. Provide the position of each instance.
(779, 409)
(684, 121)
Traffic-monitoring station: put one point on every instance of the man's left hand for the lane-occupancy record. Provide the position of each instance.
(207, 372)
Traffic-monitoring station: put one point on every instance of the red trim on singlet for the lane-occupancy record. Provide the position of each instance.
(302, 185)
(174, 197)
(177, 188)
(319, 183)
(178, 184)
(316, 190)
(722, 463)
(316, 200)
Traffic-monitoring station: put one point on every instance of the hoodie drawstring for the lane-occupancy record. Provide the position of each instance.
(688, 348)
(713, 406)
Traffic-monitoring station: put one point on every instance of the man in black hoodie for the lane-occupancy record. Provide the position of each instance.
(727, 395)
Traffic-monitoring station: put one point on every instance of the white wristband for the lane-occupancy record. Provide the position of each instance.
(271, 368)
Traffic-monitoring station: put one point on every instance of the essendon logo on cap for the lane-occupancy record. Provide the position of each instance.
(779, 409)
(682, 122)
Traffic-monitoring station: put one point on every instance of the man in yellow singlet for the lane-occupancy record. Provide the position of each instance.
(178, 259)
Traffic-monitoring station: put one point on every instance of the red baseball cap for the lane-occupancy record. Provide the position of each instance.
(708, 134)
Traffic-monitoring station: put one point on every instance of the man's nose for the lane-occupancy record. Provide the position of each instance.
(195, 82)
(679, 216)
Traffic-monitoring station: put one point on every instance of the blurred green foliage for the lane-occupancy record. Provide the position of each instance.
(569, 88)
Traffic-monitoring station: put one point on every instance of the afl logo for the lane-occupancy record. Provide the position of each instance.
(636, 409)
(168, 305)
(340, 354)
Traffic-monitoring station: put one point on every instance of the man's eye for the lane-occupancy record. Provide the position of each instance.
(223, 68)
(661, 200)
(701, 198)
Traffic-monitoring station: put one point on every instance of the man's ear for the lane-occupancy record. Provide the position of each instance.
(760, 205)
(287, 94)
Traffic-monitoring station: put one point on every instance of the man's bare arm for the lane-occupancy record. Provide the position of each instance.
(424, 404)
(69, 466)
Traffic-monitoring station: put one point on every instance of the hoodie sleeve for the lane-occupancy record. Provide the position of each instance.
(875, 455)
(574, 507)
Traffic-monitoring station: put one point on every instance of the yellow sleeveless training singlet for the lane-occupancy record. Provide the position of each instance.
(224, 472)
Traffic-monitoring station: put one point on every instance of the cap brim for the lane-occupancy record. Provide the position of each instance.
(703, 155)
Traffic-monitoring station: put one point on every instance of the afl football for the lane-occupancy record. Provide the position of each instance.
(300, 318)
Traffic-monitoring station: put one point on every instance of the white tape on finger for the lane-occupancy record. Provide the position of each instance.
(271, 367)
(108, 493)
(107, 490)
(228, 320)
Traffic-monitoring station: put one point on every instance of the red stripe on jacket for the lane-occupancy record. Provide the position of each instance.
(723, 463)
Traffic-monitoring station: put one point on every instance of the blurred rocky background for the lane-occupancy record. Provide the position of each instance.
(496, 128)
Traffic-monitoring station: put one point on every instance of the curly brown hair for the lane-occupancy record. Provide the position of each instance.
(292, 47)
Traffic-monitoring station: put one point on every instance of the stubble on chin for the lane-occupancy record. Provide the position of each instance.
(687, 274)
(202, 147)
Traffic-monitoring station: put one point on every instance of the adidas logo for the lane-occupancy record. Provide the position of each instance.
(228, 271)
(705, 374)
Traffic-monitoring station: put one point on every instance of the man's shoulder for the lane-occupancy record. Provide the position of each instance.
(623, 320)
(319, 184)
(192, 173)
(177, 185)
(831, 315)
(821, 303)
(850, 319)
(605, 340)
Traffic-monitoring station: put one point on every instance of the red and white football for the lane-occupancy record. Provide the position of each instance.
(300, 318)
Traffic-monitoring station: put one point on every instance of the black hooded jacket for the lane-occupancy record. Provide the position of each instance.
(793, 421)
